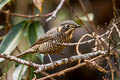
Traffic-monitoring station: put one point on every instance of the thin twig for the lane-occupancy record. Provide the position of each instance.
(13, 58)
(86, 14)
(95, 65)
(73, 12)
(53, 16)
(3, 75)
(26, 16)
(8, 21)
(77, 47)
(46, 74)
(111, 30)
(118, 31)
(114, 8)
(111, 67)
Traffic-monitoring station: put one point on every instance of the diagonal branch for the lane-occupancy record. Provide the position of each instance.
(53, 16)
(68, 60)
(13, 58)
(69, 69)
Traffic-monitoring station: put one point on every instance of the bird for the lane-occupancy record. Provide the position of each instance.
(50, 42)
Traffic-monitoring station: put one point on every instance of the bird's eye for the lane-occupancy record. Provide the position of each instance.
(67, 26)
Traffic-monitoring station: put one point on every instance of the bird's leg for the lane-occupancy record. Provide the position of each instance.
(50, 58)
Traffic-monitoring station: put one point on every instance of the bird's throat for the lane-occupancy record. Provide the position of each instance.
(70, 33)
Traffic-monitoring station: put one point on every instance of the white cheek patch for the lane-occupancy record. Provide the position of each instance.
(59, 29)
(68, 31)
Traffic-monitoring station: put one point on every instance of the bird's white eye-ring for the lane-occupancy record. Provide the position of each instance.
(67, 26)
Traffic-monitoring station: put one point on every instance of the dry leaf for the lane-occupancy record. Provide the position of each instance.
(38, 4)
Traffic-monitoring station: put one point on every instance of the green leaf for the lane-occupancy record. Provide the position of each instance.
(35, 30)
(12, 39)
(39, 29)
(19, 72)
(32, 33)
(3, 3)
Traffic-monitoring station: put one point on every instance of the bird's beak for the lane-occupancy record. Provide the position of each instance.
(78, 26)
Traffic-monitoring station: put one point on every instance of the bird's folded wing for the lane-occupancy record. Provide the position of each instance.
(43, 39)
(46, 37)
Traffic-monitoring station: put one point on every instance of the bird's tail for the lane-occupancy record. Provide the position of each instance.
(28, 51)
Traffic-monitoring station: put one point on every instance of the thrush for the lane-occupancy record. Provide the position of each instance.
(51, 41)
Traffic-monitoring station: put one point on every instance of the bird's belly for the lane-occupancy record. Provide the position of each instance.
(50, 48)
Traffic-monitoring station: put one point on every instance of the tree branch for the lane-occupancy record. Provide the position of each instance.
(13, 58)
(41, 68)
(69, 69)
(68, 60)
(26, 16)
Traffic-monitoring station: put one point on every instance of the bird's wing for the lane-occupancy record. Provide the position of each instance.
(46, 37)
(43, 39)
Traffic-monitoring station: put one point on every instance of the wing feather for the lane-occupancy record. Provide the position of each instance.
(47, 36)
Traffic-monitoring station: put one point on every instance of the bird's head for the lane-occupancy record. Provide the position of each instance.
(68, 27)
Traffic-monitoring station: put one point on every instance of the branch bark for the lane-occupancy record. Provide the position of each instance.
(68, 60)
(41, 68)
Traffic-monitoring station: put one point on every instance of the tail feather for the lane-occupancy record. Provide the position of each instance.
(28, 51)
